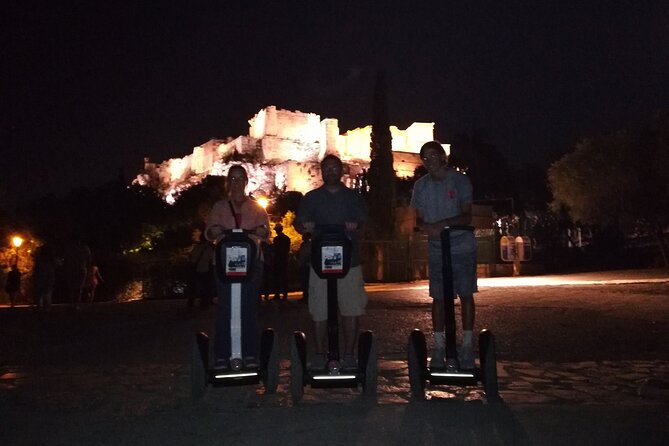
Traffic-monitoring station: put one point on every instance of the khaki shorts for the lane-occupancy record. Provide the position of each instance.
(351, 295)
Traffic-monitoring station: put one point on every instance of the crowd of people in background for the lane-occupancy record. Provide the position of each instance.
(79, 273)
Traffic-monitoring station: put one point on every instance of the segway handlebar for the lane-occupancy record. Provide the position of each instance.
(331, 228)
(226, 232)
(450, 228)
(459, 228)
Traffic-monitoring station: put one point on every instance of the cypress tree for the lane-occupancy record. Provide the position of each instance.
(381, 175)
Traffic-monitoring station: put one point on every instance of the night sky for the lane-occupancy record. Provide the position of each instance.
(90, 88)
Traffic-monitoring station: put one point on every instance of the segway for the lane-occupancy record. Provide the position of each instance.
(235, 258)
(420, 372)
(331, 260)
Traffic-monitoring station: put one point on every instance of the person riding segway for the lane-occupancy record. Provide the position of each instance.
(443, 200)
(451, 372)
(236, 223)
(340, 213)
(331, 258)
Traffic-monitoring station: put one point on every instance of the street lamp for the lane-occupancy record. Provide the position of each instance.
(263, 202)
(17, 241)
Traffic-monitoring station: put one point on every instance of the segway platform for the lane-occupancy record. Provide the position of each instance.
(235, 258)
(420, 373)
(331, 260)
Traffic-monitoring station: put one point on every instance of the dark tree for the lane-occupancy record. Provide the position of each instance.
(284, 202)
(619, 181)
(485, 165)
(193, 205)
(381, 175)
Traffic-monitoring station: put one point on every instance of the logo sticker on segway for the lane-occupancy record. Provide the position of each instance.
(332, 259)
(237, 258)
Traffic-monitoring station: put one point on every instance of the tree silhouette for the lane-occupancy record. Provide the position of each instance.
(619, 181)
(381, 175)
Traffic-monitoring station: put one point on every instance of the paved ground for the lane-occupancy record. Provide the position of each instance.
(582, 359)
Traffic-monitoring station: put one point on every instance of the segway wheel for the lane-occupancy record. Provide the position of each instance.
(269, 346)
(199, 360)
(417, 364)
(297, 365)
(489, 366)
(367, 363)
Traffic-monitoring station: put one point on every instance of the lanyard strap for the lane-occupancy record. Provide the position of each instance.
(238, 217)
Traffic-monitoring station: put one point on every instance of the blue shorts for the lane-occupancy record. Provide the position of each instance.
(463, 263)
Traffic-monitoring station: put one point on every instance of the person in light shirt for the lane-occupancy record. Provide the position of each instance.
(238, 210)
(442, 198)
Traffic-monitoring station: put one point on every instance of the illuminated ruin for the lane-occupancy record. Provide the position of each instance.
(282, 151)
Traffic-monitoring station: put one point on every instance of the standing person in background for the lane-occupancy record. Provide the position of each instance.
(93, 279)
(281, 249)
(201, 259)
(44, 276)
(76, 263)
(335, 204)
(13, 284)
(4, 270)
(304, 261)
(240, 211)
(267, 255)
(442, 198)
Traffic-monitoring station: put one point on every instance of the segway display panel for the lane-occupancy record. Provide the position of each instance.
(331, 252)
(235, 257)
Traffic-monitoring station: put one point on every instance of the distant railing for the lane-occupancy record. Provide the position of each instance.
(394, 260)
(406, 260)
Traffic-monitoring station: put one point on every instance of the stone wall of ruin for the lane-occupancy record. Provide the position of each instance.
(287, 146)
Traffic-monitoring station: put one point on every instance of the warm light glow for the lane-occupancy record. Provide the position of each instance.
(263, 202)
(17, 241)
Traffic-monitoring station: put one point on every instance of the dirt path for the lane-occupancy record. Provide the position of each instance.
(586, 363)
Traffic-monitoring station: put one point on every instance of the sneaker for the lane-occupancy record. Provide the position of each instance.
(349, 362)
(437, 360)
(467, 357)
(452, 365)
(318, 361)
(222, 365)
(251, 362)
